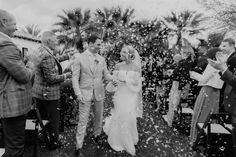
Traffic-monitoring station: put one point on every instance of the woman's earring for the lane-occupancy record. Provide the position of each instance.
(132, 56)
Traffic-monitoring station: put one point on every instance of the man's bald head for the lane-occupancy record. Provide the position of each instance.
(7, 23)
(6, 15)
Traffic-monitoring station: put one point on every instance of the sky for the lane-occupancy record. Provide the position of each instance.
(44, 12)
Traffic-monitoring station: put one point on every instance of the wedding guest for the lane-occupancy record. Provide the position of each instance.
(209, 95)
(15, 88)
(226, 63)
(48, 79)
(181, 73)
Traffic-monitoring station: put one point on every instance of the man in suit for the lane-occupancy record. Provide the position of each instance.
(89, 70)
(15, 88)
(226, 63)
(47, 82)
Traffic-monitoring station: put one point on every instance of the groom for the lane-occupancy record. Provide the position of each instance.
(89, 72)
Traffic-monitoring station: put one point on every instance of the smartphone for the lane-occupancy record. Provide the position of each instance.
(24, 51)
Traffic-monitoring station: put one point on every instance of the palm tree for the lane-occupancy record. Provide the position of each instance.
(112, 21)
(224, 13)
(151, 36)
(72, 25)
(32, 30)
(186, 23)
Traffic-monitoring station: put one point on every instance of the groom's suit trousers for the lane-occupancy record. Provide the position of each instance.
(84, 111)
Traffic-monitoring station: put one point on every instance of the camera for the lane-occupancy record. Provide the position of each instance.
(24, 52)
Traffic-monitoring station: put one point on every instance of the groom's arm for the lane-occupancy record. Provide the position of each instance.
(75, 76)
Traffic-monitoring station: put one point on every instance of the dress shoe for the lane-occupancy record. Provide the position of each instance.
(78, 153)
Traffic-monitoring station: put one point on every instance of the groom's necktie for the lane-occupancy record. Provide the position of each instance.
(93, 62)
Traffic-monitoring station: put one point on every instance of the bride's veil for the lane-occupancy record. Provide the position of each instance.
(137, 61)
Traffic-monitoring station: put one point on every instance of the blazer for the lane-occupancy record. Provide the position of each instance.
(15, 80)
(88, 76)
(230, 89)
(49, 75)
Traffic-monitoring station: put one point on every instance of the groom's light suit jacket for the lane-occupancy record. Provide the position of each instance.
(88, 76)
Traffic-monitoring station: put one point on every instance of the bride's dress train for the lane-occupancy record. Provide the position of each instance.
(121, 126)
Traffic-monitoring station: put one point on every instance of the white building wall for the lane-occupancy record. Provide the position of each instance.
(31, 45)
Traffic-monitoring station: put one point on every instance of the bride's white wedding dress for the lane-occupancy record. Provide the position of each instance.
(121, 126)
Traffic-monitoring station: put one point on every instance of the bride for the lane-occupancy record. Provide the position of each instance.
(121, 126)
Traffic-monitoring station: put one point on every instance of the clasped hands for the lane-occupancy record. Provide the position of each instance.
(116, 81)
(220, 63)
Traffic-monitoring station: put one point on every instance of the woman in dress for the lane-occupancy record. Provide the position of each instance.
(121, 126)
(208, 98)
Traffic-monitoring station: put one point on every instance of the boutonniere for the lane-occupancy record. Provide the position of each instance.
(96, 61)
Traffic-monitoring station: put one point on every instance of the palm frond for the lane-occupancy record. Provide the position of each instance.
(107, 12)
(186, 15)
(32, 30)
(127, 15)
(100, 14)
(196, 20)
(87, 17)
(116, 14)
